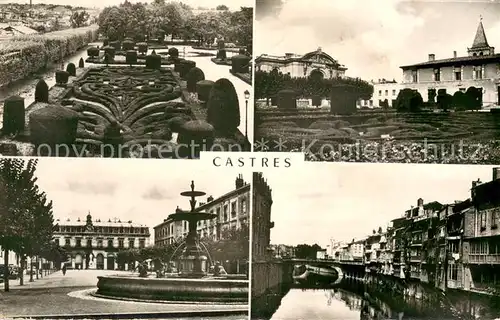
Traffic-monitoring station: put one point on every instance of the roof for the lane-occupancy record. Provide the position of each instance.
(98, 223)
(455, 61)
(480, 40)
(317, 55)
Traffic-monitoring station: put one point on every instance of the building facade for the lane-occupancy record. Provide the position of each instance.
(479, 69)
(232, 210)
(261, 218)
(94, 244)
(302, 66)
(385, 93)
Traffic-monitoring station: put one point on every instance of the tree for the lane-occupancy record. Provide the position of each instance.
(305, 251)
(222, 7)
(113, 22)
(264, 8)
(79, 19)
(18, 197)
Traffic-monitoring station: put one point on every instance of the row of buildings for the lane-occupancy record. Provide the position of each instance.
(453, 246)
(94, 244)
(480, 69)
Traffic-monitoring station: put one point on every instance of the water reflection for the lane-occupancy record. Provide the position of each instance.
(357, 300)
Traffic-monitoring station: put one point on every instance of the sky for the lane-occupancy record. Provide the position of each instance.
(144, 191)
(347, 200)
(232, 4)
(373, 38)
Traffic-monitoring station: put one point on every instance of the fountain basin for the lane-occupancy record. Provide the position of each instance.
(174, 289)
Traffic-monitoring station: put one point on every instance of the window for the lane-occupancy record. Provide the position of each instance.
(494, 219)
(110, 243)
(414, 75)
(56, 241)
(120, 243)
(89, 243)
(131, 243)
(453, 247)
(478, 72)
(99, 243)
(453, 272)
(386, 92)
(462, 90)
(67, 241)
(380, 92)
(225, 212)
(483, 220)
(458, 73)
(78, 242)
(437, 74)
(233, 209)
(371, 103)
(244, 205)
(393, 92)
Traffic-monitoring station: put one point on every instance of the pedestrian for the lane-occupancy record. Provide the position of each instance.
(64, 269)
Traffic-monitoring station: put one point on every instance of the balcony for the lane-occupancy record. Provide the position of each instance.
(484, 258)
(415, 274)
(417, 258)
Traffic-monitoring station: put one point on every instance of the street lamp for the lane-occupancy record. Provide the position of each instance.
(247, 96)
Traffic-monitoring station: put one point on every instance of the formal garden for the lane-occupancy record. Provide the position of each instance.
(445, 129)
(135, 95)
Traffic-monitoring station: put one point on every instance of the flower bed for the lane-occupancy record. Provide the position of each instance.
(23, 55)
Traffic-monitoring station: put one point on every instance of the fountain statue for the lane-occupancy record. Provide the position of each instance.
(192, 262)
(191, 282)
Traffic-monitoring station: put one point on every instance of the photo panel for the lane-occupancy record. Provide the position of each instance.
(376, 241)
(122, 79)
(367, 81)
(118, 238)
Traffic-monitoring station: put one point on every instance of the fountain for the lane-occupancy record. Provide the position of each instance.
(193, 283)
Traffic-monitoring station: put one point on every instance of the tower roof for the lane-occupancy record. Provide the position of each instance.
(480, 38)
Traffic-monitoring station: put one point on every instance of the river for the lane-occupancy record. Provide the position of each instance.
(357, 300)
(26, 87)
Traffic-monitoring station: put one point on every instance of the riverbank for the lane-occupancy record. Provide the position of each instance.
(23, 56)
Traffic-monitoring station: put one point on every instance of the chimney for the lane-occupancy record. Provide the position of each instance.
(210, 199)
(432, 57)
(454, 54)
(239, 181)
(496, 173)
(420, 202)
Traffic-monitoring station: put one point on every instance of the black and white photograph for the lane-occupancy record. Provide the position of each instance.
(118, 239)
(376, 241)
(391, 81)
(125, 79)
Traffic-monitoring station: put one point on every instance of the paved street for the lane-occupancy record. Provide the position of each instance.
(49, 296)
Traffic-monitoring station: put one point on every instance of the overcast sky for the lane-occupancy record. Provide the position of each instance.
(232, 4)
(374, 37)
(345, 201)
(144, 191)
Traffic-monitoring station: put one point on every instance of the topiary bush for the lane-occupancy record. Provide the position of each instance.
(444, 100)
(113, 139)
(110, 51)
(343, 99)
(142, 47)
(175, 123)
(459, 101)
(81, 63)
(195, 136)
(93, 52)
(240, 64)
(242, 51)
(316, 100)
(408, 100)
(42, 91)
(184, 66)
(71, 69)
(131, 57)
(13, 115)
(193, 76)
(223, 107)
(53, 125)
(153, 62)
(474, 98)
(128, 44)
(105, 41)
(161, 37)
(221, 54)
(62, 77)
(287, 99)
(115, 44)
(203, 89)
(173, 53)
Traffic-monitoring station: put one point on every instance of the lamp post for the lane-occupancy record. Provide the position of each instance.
(247, 96)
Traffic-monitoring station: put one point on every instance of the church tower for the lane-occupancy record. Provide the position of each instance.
(480, 46)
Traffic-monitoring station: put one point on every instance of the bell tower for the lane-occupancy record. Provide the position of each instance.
(480, 46)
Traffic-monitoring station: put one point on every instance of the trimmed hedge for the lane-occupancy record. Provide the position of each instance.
(62, 77)
(42, 91)
(142, 47)
(24, 55)
(240, 64)
(343, 99)
(53, 125)
(223, 107)
(13, 115)
(203, 89)
(194, 75)
(173, 53)
(153, 61)
(81, 63)
(195, 136)
(287, 99)
(131, 56)
(71, 68)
